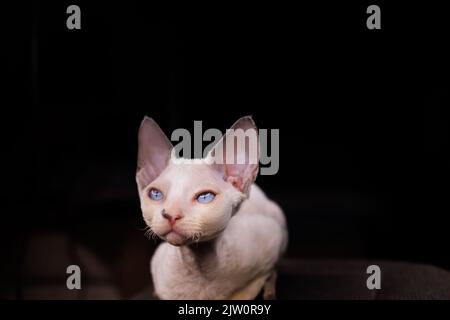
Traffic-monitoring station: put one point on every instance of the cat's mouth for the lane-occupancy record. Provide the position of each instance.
(175, 238)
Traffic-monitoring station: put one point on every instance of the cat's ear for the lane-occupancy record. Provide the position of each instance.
(154, 150)
(236, 155)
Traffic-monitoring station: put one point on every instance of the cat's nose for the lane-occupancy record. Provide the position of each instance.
(171, 218)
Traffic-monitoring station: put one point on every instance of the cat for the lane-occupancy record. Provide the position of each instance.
(223, 236)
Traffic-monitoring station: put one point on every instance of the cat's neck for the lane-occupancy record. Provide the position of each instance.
(201, 256)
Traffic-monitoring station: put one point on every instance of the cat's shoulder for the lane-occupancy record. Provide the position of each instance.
(259, 202)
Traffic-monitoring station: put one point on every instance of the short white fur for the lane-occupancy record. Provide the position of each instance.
(224, 249)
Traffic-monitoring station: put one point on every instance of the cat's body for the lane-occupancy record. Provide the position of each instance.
(223, 235)
(224, 268)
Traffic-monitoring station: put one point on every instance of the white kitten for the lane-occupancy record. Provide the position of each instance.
(224, 236)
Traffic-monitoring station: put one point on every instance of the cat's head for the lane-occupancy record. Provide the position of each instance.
(186, 202)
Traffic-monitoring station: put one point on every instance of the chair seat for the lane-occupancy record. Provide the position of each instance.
(346, 280)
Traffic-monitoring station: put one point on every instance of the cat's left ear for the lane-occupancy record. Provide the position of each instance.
(153, 154)
(236, 155)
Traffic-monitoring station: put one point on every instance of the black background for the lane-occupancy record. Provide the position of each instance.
(363, 114)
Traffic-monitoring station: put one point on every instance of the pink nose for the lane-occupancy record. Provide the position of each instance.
(170, 218)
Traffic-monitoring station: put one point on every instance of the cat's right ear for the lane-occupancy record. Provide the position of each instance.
(153, 152)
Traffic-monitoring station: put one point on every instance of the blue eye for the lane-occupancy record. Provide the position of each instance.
(155, 194)
(206, 197)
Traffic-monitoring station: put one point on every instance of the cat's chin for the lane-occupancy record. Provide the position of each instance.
(175, 239)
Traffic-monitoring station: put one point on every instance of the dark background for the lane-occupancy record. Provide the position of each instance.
(363, 118)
